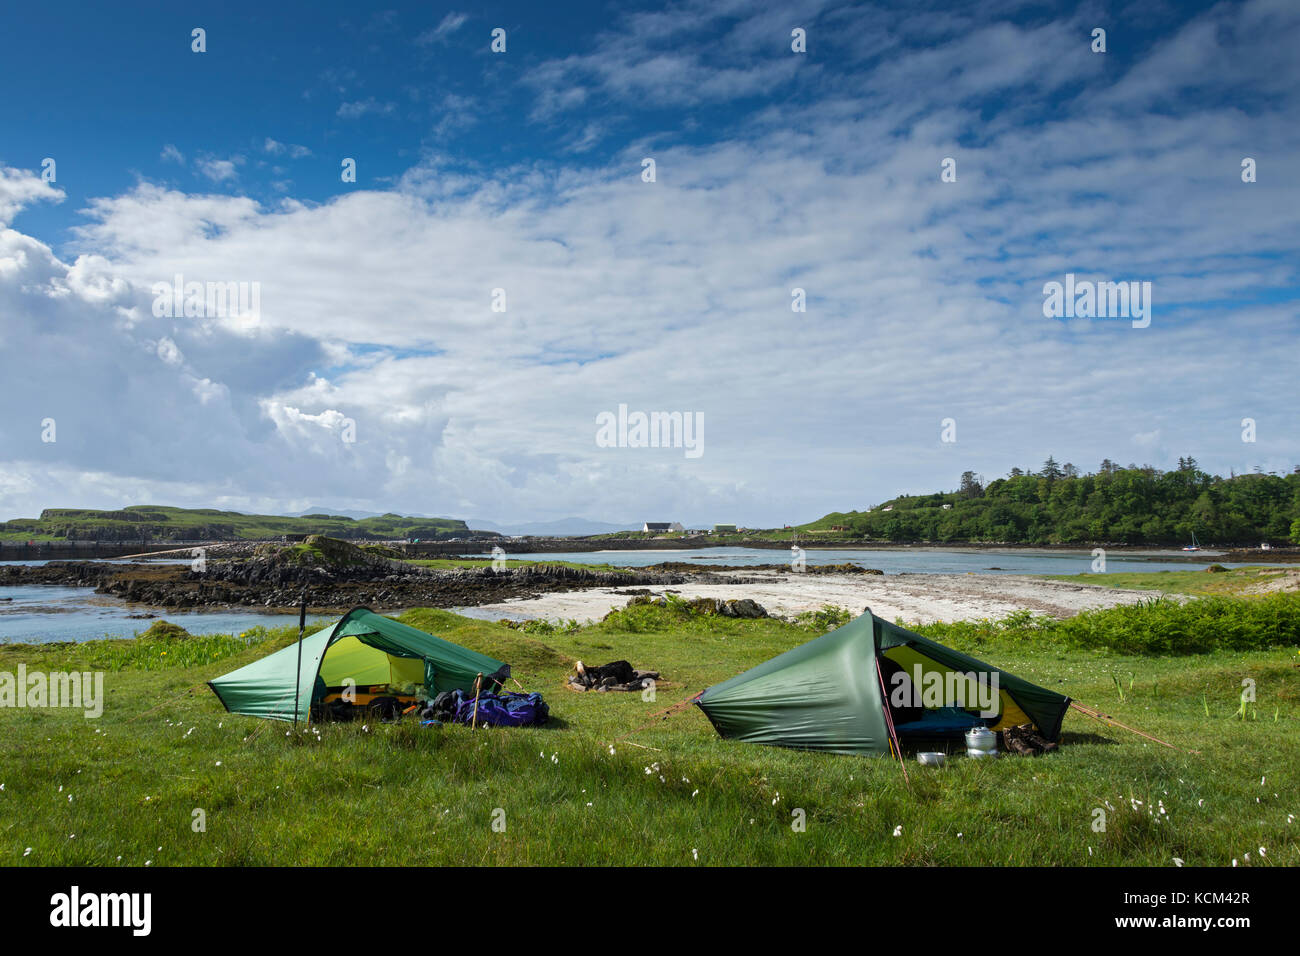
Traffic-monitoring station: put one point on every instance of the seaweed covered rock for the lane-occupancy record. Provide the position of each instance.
(165, 631)
(743, 607)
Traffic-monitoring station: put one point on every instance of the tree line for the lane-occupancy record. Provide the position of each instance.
(1059, 504)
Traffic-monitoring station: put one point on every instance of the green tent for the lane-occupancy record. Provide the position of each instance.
(361, 646)
(827, 694)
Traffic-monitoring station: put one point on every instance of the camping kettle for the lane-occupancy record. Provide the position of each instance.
(981, 742)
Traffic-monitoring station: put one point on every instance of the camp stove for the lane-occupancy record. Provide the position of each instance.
(981, 742)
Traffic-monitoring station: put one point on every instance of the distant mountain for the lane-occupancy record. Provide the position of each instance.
(557, 528)
(343, 512)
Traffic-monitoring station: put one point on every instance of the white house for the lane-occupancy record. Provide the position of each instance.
(663, 527)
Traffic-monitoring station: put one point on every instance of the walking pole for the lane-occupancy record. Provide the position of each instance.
(297, 675)
(889, 722)
(473, 724)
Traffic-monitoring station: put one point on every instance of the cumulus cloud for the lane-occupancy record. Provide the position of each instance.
(19, 188)
(92, 278)
(121, 386)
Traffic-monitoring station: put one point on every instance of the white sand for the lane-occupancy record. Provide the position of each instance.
(916, 598)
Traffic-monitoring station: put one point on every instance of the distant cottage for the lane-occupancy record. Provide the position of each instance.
(663, 527)
(725, 528)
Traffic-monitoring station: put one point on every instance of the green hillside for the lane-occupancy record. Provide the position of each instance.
(161, 523)
(1060, 505)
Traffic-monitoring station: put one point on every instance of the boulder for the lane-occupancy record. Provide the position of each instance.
(744, 607)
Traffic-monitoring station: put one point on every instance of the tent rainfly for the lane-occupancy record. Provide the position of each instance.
(827, 694)
(363, 646)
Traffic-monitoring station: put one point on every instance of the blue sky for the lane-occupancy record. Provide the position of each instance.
(522, 170)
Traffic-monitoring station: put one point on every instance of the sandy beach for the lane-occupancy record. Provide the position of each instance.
(917, 598)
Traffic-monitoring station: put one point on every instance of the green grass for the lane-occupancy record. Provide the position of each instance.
(445, 564)
(1198, 583)
(124, 789)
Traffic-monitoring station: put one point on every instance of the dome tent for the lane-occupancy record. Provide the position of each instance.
(827, 694)
(363, 646)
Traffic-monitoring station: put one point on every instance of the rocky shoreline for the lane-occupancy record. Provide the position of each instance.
(271, 584)
(335, 576)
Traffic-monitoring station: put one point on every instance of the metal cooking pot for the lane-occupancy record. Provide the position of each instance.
(981, 740)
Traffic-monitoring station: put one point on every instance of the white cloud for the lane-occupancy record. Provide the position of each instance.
(169, 353)
(695, 53)
(590, 135)
(448, 25)
(19, 188)
(358, 108)
(219, 170)
(92, 278)
(276, 148)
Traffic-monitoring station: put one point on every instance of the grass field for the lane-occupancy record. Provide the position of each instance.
(1199, 583)
(127, 788)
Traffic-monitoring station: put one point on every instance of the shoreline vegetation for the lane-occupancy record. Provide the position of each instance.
(1057, 506)
(1060, 505)
(157, 523)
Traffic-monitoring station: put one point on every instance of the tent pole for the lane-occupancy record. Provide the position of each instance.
(297, 675)
(889, 721)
